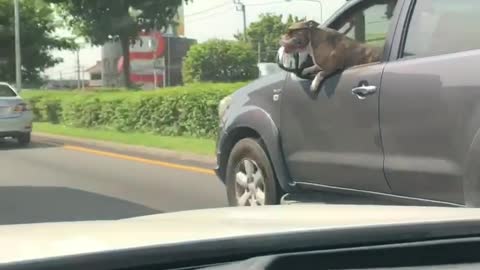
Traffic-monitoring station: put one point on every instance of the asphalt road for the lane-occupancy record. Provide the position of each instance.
(48, 182)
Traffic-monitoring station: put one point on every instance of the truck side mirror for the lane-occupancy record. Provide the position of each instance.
(288, 62)
(295, 63)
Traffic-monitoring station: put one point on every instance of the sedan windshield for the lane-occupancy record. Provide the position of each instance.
(6, 91)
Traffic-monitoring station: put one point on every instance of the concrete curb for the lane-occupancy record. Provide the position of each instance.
(134, 150)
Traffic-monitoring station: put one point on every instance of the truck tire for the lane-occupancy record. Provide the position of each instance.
(250, 179)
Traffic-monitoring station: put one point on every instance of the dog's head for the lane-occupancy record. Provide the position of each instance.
(293, 62)
(297, 37)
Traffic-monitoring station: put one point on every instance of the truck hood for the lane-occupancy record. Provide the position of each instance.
(47, 240)
(261, 83)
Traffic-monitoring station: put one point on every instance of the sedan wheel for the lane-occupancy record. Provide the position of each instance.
(24, 139)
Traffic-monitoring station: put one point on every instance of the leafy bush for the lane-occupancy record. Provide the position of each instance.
(190, 110)
(265, 34)
(46, 107)
(220, 61)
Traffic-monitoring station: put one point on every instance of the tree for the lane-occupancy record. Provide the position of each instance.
(220, 61)
(37, 27)
(103, 20)
(266, 34)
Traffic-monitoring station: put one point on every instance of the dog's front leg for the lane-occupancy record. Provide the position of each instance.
(317, 81)
(311, 70)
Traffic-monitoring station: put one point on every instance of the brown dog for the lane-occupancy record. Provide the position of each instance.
(330, 50)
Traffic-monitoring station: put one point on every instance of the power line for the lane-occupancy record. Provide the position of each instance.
(266, 4)
(69, 73)
(207, 10)
(208, 16)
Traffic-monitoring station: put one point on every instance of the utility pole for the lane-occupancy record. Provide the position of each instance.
(154, 46)
(259, 51)
(167, 66)
(241, 7)
(164, 75)
(155, 83)
(78, 69)
(18, 55)
(83, 78)
(244, 21)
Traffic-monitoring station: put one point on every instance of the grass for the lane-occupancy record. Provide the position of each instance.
(180, 144)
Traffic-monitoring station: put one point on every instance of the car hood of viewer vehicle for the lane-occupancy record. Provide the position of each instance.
(46, 240)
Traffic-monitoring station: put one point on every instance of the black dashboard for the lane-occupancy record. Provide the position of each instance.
(444, 254)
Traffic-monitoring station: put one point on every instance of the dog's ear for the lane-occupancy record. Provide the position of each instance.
(312, 24)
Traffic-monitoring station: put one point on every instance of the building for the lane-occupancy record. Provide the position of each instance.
(155, 58)
(95, 73)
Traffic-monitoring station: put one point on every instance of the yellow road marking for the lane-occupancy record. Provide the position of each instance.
(141, 160)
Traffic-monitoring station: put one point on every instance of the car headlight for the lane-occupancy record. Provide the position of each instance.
(223, 106)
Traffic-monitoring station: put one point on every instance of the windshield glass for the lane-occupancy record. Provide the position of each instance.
(6, 91)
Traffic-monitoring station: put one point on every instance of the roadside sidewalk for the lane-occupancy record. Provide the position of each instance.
(136, 151)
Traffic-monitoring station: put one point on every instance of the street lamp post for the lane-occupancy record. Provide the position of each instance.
(18, 57)
(316, 1)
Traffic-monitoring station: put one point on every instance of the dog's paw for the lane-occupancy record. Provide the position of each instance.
(316, 83)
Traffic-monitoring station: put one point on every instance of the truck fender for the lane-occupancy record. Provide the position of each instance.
(259, 120)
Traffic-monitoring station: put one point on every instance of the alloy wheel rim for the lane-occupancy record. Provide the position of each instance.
(249, 184)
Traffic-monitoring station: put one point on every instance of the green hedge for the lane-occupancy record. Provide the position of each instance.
(190, 110)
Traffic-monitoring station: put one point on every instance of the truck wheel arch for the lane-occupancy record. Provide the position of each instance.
(256, 123)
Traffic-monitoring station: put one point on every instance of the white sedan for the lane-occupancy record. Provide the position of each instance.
(15, 115)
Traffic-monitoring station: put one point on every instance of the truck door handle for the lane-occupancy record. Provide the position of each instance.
(363, 91)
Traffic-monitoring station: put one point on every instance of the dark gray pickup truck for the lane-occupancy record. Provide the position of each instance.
(403, 130)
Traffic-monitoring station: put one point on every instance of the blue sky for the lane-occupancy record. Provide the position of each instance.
(206, 19)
